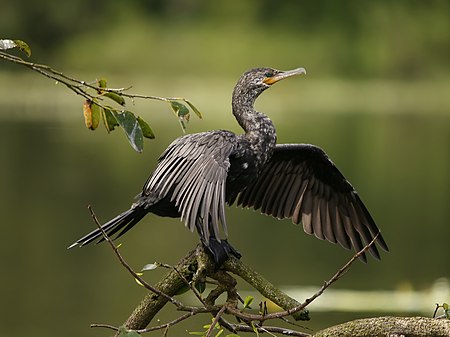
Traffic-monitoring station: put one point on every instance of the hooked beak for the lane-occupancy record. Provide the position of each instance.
(284, 74)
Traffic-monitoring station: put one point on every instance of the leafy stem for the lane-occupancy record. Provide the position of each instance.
(102, 104)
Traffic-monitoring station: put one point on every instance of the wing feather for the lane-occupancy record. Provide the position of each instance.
(297, 214)
(192, 174)
(289, 204)
(338, 227)
(317, 223)
(300, 182)
(326, 222)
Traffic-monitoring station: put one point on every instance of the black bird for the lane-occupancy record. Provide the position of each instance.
(198, 174)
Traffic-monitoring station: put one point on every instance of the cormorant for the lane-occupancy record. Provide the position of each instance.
(198, 174)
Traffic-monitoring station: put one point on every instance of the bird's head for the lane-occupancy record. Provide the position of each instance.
(253, 82)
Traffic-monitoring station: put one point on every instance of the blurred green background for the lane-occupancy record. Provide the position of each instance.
(376, 98)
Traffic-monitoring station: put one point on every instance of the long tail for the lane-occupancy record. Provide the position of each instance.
(120, 224)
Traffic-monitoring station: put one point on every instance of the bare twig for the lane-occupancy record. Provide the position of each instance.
(147, 286)
(215, 320)
(192, 287)
(101, 325)
(272, 329)
(336, 276)
(188, 283)
(153, 328)
(80, 86)
(229, 308)
(169, 324)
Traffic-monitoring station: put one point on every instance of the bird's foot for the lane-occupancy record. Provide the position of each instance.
(221, 251)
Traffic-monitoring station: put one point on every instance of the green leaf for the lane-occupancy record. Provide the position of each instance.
(184, 289)
(182, 124)
(182, 113)
(127, 120)
(6, 44)
(109, 120)
(180, 109)
(446, 308)
(219, 333)
(150, 266)
(248, 301)
(138, 282)
(200, 286)
(255, 329)
(101, 83)
(23, 46)
(97, 112)
(146, 129)
(196, 111)
(115, 97)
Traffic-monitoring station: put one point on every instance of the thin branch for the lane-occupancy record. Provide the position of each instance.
(101, 325)
(272, 329)
(338, 274)
(79, 86)
(215, 320)
(284, 319)
(231, 308)
(288, 312)
(169, 324)
(153, 328)
(148, 286)
(193, 289)
(73, 84)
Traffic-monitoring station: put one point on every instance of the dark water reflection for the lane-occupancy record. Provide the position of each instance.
(50, 171)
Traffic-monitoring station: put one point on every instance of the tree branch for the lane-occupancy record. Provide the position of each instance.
(390, 326)
(148, 286)
(273, 329)
(76, 85)
(264, 287)
(170, 284)
(267, 289)
(177, 277)
(97, 94)
(197, 265)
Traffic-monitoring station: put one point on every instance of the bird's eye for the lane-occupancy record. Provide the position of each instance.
(268, 74)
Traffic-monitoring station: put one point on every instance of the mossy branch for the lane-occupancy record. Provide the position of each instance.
(198, 265)
(173, 282)
(390, 327)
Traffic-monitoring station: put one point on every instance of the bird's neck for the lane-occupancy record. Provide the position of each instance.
(259, 129)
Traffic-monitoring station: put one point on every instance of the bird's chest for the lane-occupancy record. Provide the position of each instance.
(244, 169)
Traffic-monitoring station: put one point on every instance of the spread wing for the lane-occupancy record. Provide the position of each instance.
(192, 172)
(302, 183)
